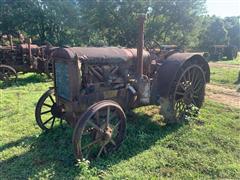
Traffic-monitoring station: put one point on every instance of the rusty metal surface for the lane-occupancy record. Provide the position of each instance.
(99, 54)
(168, 69)
(26, 57)
(140, 46)
(106, 133)
(195, 58)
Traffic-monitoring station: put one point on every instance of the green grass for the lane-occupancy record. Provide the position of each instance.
(203, 148)
(224, 75)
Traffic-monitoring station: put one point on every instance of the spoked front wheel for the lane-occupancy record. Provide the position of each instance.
(47, 113)
(99, 130)
(7, 74)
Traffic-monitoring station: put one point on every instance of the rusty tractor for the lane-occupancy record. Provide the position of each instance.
(95, 86)
(217, 52)
(24, 57)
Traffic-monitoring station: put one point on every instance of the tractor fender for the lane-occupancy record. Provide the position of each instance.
(169, 69)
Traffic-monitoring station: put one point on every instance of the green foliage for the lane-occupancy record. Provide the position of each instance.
(232, 25)
(168, 21)
(114, 22)
(214, 34)
(98, 22)
(54, 21)
(218, 31)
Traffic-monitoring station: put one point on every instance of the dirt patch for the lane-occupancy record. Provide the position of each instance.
(211, 64)
(223, 95)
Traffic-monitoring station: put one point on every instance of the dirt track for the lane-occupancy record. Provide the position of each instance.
(224, 65)
(223, 95)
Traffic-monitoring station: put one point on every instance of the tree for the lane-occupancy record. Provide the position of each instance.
(169, 21)
(232, 25)
(55, 21)
(214, 34)
(102, 22)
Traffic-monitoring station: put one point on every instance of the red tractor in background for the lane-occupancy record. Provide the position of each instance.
(23, 57)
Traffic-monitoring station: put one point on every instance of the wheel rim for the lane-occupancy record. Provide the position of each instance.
(101, 132)
(189, 91)
(48, 114)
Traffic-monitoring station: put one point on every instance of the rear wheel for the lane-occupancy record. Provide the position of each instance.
(99, 130)
(186, 94)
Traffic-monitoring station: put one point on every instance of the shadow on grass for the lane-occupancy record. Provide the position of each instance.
(52, 152)
(26, 79)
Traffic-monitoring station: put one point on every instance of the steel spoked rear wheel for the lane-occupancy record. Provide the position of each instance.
(99, 130)
(47, 113)
(187, 94)
(190, 91)
(7, 74)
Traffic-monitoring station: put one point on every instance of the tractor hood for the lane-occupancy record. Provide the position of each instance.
(99, 54)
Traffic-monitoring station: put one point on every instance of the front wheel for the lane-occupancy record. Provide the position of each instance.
(47, 113)
(186, 95)
(99, 130)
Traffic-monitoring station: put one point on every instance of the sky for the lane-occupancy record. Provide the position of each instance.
(223, 8)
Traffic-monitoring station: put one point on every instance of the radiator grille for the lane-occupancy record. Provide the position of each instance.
(62, 81)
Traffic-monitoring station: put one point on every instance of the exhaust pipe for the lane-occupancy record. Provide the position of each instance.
(140, 47)
(143, 82)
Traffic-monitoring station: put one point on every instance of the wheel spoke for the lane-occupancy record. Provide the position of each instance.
(52, 123)
(194, 102)
(180, 93)
(48, 120)
(197, 84)
(45, 112)
(184, 78)
(94, 125)
(115, 126)
(91, 144)
(113, 142)
(112, 116)
(189, 75)
(195, 96)
(100, 151)
(61, 122)
(47, 105)
(52, 99)
(193, 76)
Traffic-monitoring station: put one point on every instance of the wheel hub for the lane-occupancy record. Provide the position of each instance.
(56, 111)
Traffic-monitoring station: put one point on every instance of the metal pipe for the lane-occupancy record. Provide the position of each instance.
(140, 47)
